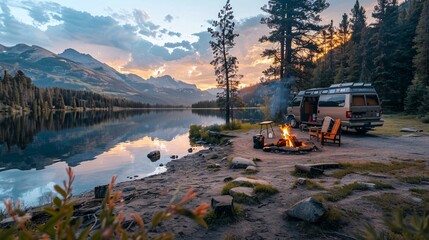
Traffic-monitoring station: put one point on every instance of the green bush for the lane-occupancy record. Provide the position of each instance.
(63, 225)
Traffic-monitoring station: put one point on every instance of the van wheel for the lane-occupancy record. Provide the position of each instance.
(293, 123)
(361, 130)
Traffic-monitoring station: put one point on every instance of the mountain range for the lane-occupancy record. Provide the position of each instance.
(74, 70)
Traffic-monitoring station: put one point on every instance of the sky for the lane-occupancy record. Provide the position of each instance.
(147, 37)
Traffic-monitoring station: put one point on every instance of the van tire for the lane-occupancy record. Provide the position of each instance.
(293, 123)
(361, 130)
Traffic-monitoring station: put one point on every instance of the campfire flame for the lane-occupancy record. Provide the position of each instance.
(285, 132)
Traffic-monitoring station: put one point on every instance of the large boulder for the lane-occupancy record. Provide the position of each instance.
(154, 155)
(241, 180)
(239, 162)
(309, 210)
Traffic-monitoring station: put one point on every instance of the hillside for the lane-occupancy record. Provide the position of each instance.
(74, 70)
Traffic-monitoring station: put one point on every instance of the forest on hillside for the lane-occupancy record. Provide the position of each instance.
(392, 53)
(18, 92)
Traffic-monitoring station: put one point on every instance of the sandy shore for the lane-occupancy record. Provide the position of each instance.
(267, 220)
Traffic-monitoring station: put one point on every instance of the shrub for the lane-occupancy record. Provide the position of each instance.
(62, 225)
(401, 227)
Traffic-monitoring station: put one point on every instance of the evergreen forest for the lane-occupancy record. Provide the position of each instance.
(19, 93)
(392, 53)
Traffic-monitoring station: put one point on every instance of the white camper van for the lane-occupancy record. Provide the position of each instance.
(356, 104)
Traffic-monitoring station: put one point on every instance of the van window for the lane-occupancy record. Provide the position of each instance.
(337, 100)
(358, 100)
(372, 100)
(296, 102)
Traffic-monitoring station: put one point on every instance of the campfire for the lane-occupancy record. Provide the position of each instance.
(288, 139)
(289, 143)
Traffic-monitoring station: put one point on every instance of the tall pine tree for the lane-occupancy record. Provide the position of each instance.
(225, 65)
(417, 100)
(356, 44)
(385, 75)
(343, 35)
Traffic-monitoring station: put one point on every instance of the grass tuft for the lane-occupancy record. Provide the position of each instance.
(415, 179)
(309, 185)
(374, 167)
(338, 193)
(249, 171)
(213, 220)
(263, 191)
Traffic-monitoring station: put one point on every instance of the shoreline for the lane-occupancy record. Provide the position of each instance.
(267, 220)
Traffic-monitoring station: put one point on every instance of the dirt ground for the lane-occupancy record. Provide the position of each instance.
(267, 220)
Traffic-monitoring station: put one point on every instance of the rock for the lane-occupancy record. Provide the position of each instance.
(247, 191)
(154, 155)
(228, 179)
(7, 223)
(302, 181)
(239, 162)
(128, 189)
(190, 150)
(416, 199)
(266, 149)
(366, 184)
(288, 149)
(241, 180)
(309, 210)
(410, 130)
(223, 205)
(305, 148)
(173, 156)
(251, 168)
(161, 165)
(100, 191)
(411, 135)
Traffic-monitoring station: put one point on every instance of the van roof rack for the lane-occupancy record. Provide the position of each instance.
(351, 84)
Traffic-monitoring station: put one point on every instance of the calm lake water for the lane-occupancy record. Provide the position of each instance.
(36, 150)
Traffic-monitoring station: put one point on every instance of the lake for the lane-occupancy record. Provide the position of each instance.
(36, 150)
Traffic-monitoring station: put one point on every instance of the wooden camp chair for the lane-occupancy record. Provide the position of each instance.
(334, 135)
(316, 131)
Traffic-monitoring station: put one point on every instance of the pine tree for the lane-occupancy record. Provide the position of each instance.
(225, 65)
(293, 24)
(418, 93)
(343, 34)
(356, 44)
(385, 76)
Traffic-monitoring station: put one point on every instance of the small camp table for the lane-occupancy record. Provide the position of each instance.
(266, 124)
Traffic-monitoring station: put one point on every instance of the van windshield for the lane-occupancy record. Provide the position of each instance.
(335, 100)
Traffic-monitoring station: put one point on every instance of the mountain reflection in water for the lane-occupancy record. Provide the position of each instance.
(35, 150)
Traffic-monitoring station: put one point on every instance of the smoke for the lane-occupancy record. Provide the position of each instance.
(280, 97)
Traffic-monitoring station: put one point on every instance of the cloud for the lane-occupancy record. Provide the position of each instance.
(13, 31)
(172, 34)
(168, 18)
(184, 44)
(147, 28)
(122, 39)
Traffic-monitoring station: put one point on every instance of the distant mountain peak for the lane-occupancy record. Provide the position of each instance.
(77, 56)
(168, 81)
